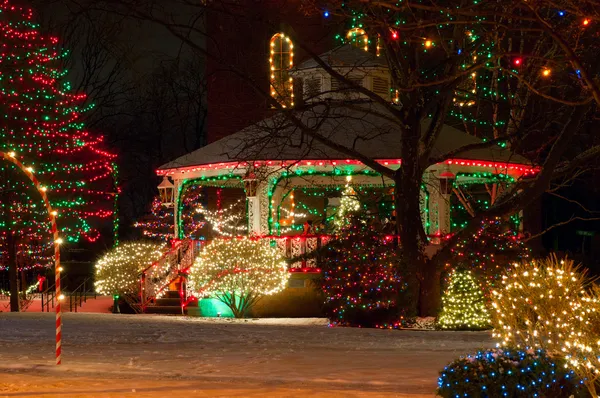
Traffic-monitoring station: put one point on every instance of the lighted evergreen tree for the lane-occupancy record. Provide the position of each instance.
(41, 125)
(362, 279)
(489, 252)
(197, 221)
(463, 304)
(349, 203)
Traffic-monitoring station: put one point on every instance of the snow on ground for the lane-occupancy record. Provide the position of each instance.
(267, 357)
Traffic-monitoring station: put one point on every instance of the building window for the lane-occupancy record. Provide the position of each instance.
(358, 38)
(281, 61)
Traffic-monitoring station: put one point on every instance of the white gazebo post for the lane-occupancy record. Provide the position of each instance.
(251, 188)
(446, 183)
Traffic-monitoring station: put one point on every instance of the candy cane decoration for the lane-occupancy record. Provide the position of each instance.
(11, 157)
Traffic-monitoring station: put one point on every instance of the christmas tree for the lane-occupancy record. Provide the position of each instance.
(489, 252)
(361, 277)
(42, 126)
(197, 222)
(463, 304)
(349, 203)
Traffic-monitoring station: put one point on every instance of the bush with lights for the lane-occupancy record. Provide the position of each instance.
(463, 304)
(238, 272)
(551, 305)
(362, 279)
(508, 373)
(118, 271)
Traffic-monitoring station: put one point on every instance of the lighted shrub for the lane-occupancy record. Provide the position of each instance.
(239, 272)
(463, 304)
(118, 270)
(508, 373)
(551, 305)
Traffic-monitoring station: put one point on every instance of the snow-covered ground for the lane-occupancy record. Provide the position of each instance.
(107, 355)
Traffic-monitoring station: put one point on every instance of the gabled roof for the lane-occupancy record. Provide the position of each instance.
(365, 127)
(346, 56)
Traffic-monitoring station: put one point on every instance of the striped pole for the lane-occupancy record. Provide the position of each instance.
(11, 157)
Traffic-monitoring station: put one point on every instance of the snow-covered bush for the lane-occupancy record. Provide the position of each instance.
(508, 373)
(238, 272)
(118, 270)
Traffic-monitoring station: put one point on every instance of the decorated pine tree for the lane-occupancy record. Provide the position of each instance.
(463, 304)
(197, 221)
(349, 203)
(42, 126)
(362, 279)
(489, 252)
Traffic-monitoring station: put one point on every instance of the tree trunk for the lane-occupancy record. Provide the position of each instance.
(430, 293)
(12, 270)
(409, 225)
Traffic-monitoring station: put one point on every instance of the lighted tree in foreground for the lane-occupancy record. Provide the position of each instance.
(42, 126)
(549, 305)
(118, 271)
(238, 272)
(463, 304)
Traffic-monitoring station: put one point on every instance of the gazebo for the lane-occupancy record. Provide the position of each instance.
(270, 161)
(292, 173)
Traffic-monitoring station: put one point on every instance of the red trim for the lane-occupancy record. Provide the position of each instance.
(517, 167)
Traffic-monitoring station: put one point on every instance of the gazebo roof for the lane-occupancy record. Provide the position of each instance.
(365, 127)
(346, 55)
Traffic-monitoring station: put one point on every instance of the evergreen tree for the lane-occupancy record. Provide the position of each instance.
(361, 277)
(463, 304)
(41, 125)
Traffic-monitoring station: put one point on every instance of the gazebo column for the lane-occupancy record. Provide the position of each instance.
(439, 198)
(252, 188)
(176, 201)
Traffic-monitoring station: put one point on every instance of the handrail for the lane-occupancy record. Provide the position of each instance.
(165, 254)
(79, 295)
(50, 294)
(180, 250)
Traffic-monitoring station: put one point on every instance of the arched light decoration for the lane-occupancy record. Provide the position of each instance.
(166, 189)
(358, 38)
(281, 60)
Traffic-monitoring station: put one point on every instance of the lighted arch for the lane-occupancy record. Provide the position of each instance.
(281, 61)
(28, 171)
(358, 37)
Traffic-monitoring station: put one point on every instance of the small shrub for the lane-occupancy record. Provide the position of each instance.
(509, 373)
(463, 304)
(239, 272)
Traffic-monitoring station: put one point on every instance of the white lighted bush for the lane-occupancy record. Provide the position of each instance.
(238, 272)
(118, 271)
(552, 305)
